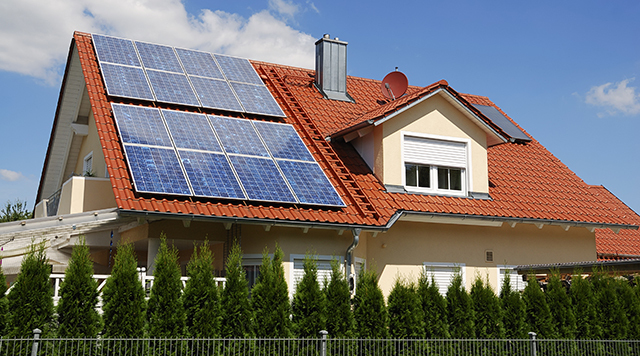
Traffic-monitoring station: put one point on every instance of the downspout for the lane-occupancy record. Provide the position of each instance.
(349, 259)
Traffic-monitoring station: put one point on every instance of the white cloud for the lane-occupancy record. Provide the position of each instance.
(616, 97)
(11, 176)
(35, 34)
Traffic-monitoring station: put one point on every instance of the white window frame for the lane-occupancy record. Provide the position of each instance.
(446, 265)
(517, 284)
(326, 274)
(433, 189)
(253, 260)
(87, 158)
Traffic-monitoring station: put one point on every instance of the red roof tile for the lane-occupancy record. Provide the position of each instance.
(624, 244)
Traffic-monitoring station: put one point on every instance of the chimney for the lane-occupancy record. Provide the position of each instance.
(331, 68)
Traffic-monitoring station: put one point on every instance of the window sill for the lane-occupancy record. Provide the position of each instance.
(402, 189)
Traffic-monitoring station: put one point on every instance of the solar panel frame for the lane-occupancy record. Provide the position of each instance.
(211, 175)
(309, 183)
(257, 99)
(191, 131)
(159, 57)
(261, 179)
(283, 141)
(238, 136)
(126, 81)
(172, 88)
(115, 50)
(199, 63)
(140, 125)
(216, 94)
(156, 170)
(238, 69)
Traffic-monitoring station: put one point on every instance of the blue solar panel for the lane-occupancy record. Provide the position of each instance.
(141, 125)
(238, 69)
(238, 136)
(191, 130)
(257, 99)
(496, 116)
(309, 183)
(159, 57)
(261, 179)
(216, 94)
(283, 141)
(199, 63)
(156, 170)
(115, 50)
(211, 175)
(172, 88)
(128, 82)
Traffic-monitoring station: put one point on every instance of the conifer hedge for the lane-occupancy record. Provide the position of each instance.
(200, 297)
(434, 308)
(340, 321)
(308, 305)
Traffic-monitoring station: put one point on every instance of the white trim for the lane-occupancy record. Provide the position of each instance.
(517, 283)
(443, 266)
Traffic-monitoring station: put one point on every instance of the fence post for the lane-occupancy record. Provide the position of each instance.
(323, 350)
(532, 336)
(36, 337)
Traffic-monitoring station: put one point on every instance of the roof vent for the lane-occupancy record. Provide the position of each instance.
(331, 68)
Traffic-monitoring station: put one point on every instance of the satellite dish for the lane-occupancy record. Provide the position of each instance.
(394, 85)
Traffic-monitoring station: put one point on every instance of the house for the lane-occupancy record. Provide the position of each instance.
(151, 139)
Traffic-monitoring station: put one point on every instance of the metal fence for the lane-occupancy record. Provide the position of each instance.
(314, 347)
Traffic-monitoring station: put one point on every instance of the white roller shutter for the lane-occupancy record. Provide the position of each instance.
(324, 272)
(515, 280)
(435, 152)
(443, 274)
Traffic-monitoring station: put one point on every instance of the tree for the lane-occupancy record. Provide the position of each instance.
(340, 321)
(514, 312)
(561, 308)
(4, 306)
(14, 212)
(123, 297)
(434, 308)
(200, 298)
(631, 306)
(308, 307)
(165, 312)
(369, 310)
(77, 314)
(270, 298)
(235, 307)
(31, 298)
(538, 314)
(487, 311)
(459, 310)
(406, 320)
(609, 311)
(583, 300)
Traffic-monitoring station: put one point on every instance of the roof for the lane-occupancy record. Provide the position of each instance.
(617, 245)
(526, 180)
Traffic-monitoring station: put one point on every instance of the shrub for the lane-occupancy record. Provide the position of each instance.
(561, 308)
(236, 311)
(514, 312)
(584, 306)
(4, 306)
(369, 310)
(538, 314)
(200, 298)
(609, 311)
(434, 308)
(270, 298)
(487, 311)
(308, 302)
(406, 320)
(631, 306)
(340, 321)
(459, 310)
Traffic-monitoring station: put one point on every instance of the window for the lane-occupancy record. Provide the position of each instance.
(251, 264)
(87, 167)
(515, 280)
(443, 274)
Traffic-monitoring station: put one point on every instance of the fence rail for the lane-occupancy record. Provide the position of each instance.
(315, 347)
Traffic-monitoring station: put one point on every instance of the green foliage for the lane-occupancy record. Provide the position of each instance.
(200, 299)
(369, 310)
(514, 311)
(459, 310)
(236, 310)
(631, 306)
(165, 312)
(487, 311)
(4, 306)
(538, 316)
(14, 212)
(77, 315)
(561, 308)
(270, 298)
(30, 300)
(340, 321)
(583, 300)
(609, 311)
(123, 297)
(406, 320)
(308, 302)
(434, 308)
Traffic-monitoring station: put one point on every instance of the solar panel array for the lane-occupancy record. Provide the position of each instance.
(175, 152)
(496, 116)
(141, 70)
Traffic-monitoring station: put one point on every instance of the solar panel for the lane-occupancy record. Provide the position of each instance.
(309, 183)
(129, 82)
(496, 116)
(199, 63)
(141, 125)
(190, 130)
(238, 136)
(257, 99)
(156, 170)
(238, 69)
(172, 88)
(261, 179)
(216, 94)
(159, 57)
(115, 50)
(283, 141)
(211, 175)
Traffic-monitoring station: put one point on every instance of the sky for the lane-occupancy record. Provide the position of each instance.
(567, 71)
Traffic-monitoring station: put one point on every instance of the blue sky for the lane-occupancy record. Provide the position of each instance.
(568, 72)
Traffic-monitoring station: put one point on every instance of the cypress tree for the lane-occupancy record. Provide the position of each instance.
(611, 315)
(561, 308)
(340, 321)
(369, 310)
(270, 298)
(631, 306)
(583, 300)
(30, 300)
(406, 320)
(308, 302)
(434, 308)
(487, 311)
(4, 306)
(538, 317)
(200, 298)
(513, 310)
(236, 310)
(123, 297)
(77, 314)
(165, 312)
(459, 310)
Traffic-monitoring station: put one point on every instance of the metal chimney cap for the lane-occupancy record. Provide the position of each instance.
(326, 35)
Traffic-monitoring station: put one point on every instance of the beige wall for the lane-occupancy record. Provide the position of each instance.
(80, 194)
(91, 143)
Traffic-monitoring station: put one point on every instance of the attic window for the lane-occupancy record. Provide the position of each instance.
(87, 167)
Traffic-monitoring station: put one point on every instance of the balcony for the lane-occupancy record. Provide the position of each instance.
(77, 195)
